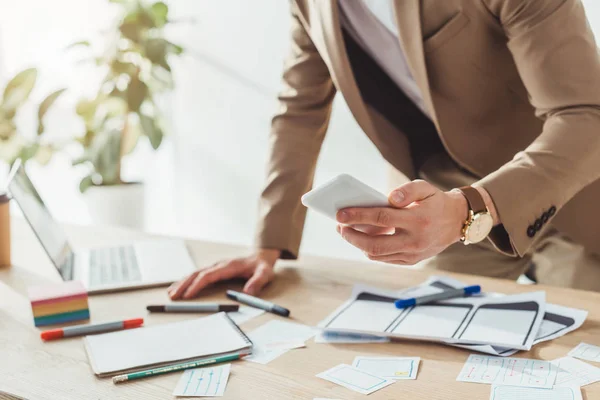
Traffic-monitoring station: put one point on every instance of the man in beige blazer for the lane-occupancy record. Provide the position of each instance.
(500, 98)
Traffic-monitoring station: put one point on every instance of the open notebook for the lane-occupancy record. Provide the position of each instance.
(135, 349)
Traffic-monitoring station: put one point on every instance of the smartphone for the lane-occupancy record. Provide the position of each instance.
(341, 192)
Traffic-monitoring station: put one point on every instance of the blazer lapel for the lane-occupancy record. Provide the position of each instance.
(408, 19)
(340, 69)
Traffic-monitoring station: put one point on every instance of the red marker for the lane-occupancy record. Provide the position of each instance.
(81, 330)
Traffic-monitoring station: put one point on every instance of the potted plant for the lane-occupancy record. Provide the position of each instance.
(14, 143)
(124, 110)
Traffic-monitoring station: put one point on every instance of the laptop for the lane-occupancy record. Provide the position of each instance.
(143, 264)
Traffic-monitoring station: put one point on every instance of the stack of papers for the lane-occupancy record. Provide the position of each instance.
(489, 323)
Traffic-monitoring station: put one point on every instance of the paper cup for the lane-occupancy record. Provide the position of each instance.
(4, 231)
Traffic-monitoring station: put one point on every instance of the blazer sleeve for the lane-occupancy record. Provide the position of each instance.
(297, 132)
(556, 56)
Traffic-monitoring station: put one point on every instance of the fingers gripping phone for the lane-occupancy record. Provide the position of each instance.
(341, 192)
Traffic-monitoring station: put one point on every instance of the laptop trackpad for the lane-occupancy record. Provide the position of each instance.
(163, 260)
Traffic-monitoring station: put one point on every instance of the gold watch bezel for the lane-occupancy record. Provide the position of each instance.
(472, 218)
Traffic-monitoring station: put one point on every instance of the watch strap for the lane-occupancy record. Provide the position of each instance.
(474, 198)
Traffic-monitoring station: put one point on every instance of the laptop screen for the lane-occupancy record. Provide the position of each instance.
(49, 232)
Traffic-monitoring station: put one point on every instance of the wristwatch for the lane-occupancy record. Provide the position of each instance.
(479, 222)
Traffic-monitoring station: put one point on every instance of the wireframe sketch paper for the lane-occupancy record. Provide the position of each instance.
(586, 352)
(499, 392)
(508, 321)
(274, 333)
(573, 372)
(395, 368)
(557, 321)
(131, 349)
(355, 379)
(348, 338)
(203, 382)
(245, 313)
(508, 371)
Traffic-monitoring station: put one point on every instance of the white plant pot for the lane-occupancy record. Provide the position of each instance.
(121, 205)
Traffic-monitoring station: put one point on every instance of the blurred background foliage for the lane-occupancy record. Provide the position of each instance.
(136, 60)
(13, 142)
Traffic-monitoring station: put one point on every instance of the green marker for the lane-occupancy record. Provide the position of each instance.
(179, 367)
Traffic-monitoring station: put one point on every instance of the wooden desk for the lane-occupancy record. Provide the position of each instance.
(311, 288)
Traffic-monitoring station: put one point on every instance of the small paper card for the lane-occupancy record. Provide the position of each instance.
(500, 392)
(508, 371)
(355, 379)
(389, 367)
(573, 372)
(586, 352)
(203, 382)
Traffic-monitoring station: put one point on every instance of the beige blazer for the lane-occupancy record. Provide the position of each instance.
(513, 88)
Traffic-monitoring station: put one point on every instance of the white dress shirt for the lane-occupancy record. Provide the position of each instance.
(372, 24)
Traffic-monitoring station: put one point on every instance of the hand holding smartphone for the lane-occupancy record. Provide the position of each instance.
(341, 192)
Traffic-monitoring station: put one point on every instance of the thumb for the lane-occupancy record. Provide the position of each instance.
(260, 278)
(411, 192)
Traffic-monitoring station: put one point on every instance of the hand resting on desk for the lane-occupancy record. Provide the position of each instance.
(256, 268)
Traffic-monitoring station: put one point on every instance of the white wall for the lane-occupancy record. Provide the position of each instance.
(205, 181)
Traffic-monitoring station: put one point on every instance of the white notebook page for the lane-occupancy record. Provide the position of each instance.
(133, 348)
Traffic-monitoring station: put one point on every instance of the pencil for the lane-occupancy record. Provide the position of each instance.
(179, 367)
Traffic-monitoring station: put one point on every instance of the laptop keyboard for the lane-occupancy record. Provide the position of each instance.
(113, 265)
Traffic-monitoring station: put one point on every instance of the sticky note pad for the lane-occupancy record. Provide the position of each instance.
(59, 303)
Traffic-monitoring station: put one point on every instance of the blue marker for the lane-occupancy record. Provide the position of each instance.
(445, 295)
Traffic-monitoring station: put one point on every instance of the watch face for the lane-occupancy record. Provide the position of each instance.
(480, 227)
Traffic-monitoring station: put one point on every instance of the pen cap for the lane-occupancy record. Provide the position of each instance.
(472, 289)
(52, 334)
(404, 303)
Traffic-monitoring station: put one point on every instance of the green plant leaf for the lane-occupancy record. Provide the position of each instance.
(131, 31)
(159, 11)
(136, 94)
(104, 154)
(84, 43)
(18, 89)
(10, 149)
(86, 108)
(28, 152)
(44, 106)
(44, 155)
(119, 67)
(131, 135)
(156, 50)
(7, 129)
(154, 133)
(175, 48)
(80, 160)
(86, 183)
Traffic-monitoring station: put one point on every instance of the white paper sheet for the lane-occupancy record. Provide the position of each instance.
(573, 372)
(355, 379)
(508, 371)
(395, 368)
(499, 392)
(586, 352)
(348, 338)
(244, 314)
(203, 382)
(272, 333)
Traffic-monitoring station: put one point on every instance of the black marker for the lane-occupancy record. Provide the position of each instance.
(258, 303)
(193, 308)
